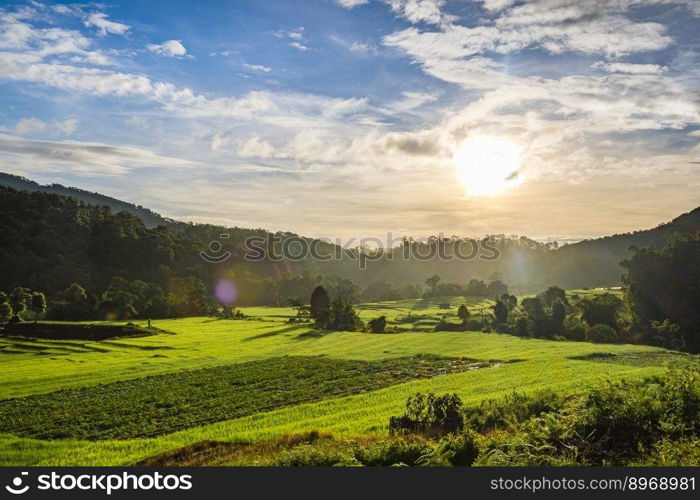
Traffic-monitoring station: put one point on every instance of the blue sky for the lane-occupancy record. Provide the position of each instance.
(347, 117)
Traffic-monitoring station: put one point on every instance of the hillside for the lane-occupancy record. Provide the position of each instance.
(52, 236)
(596, 262)
(149, 218)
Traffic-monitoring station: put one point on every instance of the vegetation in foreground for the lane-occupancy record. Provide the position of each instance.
(655, 421)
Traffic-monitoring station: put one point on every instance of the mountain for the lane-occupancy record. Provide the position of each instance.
(149, 218)
(52, 236)
(596, 262)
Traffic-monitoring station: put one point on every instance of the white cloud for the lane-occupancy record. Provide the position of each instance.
(415, 11)
(255, 148)
(634, 69)
(299, 46)
(34, 126)
(29, 126)
(349, 4)
(99, 20)
(170, 48)
(85, 157)
(257, 67)
(362, 47)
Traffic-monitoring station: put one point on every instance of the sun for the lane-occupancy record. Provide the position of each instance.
(488, 166)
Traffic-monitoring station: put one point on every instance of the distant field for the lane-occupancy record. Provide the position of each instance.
(41, 367)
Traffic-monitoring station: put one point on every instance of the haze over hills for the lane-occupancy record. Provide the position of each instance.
(53, 236)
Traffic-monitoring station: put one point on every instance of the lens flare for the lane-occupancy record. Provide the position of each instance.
(226, 292)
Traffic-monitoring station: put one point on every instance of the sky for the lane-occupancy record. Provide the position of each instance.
(350, 118)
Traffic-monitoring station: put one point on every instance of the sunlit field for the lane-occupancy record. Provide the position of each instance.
(500, 365)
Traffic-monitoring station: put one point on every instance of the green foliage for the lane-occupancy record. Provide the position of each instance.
(463, 313)
(459, 450)
(601, 310)
(37, 304)
(377, 325)
(396, 451)
(574, 328)
(603, 334)
(500, 312)
(19, 299)
(552, 295)
(492, 414)
(663, 285)
(429, 414)
(616, 424)
(320, 305)
(6, 312)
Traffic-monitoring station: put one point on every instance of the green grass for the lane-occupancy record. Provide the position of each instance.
(40, 367)
(161, 404)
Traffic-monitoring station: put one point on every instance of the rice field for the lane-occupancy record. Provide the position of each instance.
(39, 368)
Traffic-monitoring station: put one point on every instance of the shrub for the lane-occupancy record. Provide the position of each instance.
(460, 450)
(397, 451)
(492, 414)
(603, 334)
(574, 329)
(377, 325)
(429, 414)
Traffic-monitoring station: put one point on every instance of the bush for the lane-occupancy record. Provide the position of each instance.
(492, 414)
(429, 414)
(401, 451)
(603, 334)
(460, 450)
(612, 425)
(377, 325)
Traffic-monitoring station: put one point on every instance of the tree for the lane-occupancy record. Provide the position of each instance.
(557, 316)
(552, 294)
(511, 301)
(603, 334)
(342, 314)
(476, 288)
(496, 289)
(19, 299)
(320, 305)
(500, 311)
(37, 304)
(6, 312)
(601, 310)
(432, 282)
(70, 304)
(574, 329)
(532, 306)
(463, 313)
(663, 285)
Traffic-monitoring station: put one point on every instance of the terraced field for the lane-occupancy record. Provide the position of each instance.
(376, 373)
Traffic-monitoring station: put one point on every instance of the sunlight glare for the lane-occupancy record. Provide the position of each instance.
(488, 166)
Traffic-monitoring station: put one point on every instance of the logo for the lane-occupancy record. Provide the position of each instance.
(16, 488)
(215, 248)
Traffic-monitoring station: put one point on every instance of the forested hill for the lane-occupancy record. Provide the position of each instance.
(149, 218)
(597, 262)
(48, 241)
